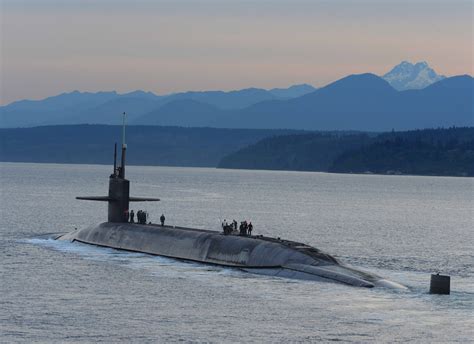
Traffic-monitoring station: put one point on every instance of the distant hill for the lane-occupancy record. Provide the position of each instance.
(184, 112)
(226, 100)
(292, 91)
(105, 107)
(110, 111)
(409, 76)
(52, 110)
(147, 145)
(448, 152)
(364, 102)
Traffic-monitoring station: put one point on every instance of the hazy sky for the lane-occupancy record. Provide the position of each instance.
(50, 47)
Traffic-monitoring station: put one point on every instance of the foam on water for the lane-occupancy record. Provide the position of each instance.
(156, 265)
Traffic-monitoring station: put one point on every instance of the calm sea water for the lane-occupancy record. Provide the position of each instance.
(402, 227)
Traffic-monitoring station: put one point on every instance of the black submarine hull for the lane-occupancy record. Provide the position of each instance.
(256, 254)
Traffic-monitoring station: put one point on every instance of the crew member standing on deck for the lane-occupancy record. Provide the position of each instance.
(162, 219)
(132, 216)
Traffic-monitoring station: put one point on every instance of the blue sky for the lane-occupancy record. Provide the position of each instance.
(49, 47)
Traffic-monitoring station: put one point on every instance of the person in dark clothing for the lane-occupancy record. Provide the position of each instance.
(235, 224)
(132, 216)
(162, 219)
(250, 228)
(227, 230)
(243, 228)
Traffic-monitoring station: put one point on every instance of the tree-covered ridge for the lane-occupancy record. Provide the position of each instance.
(147, 145)
(443, 152)
(303, 152)
(424, 152)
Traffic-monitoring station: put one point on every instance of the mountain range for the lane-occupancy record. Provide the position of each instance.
(105, 107)
(356, 102)
(364, 102)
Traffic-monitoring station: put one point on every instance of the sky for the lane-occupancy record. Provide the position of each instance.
(56, 46)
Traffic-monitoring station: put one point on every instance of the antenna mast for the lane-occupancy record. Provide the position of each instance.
(115, 159)
(123, 131)
(124, 148)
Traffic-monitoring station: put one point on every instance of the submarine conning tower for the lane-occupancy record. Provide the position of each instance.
(119, 191)
(119, 188)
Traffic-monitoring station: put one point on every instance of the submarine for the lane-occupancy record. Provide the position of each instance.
(256, 254)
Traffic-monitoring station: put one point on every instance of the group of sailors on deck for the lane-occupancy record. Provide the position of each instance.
(245, 228)
(142, 217)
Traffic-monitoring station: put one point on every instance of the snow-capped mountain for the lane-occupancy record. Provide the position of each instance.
(406, 76)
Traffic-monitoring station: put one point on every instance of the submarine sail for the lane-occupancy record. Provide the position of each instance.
(119, 188)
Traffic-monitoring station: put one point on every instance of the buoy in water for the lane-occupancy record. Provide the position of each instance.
(440, 284)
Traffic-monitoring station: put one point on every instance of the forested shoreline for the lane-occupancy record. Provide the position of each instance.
(443, 152)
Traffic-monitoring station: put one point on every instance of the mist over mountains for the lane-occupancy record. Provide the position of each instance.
(410, 96)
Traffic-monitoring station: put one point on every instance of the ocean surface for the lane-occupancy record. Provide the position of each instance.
(401, 227)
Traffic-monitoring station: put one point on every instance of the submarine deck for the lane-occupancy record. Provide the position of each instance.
(301, 247)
